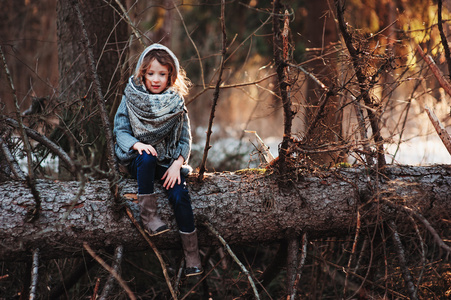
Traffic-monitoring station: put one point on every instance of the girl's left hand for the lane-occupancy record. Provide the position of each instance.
(172, 175)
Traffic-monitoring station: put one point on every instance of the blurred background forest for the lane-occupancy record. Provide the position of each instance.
(41, 41)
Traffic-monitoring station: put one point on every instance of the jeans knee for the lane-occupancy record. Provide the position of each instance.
(147, 160)
(180, 197)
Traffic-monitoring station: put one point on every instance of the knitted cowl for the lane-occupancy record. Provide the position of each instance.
(156, 119)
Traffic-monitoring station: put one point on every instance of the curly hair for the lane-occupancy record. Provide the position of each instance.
(178, 81)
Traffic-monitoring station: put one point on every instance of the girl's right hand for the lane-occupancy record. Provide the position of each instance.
(140, 147)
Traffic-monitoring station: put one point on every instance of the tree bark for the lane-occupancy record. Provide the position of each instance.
(79, 87)
(323, 114)
(243, 208)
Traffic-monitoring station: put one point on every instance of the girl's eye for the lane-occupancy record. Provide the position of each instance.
(150, 74)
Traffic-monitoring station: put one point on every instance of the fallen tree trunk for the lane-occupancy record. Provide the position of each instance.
(244, 208)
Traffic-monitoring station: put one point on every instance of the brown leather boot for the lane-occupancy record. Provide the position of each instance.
(193, 264)
(148, 209)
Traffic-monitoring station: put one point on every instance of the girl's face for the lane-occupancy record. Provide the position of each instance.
(156, 77)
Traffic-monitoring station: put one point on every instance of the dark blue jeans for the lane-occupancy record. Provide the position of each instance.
(146, 170)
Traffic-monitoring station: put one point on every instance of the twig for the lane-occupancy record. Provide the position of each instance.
(69, 280)
(292, 263)
(188, 293)
(403, 263)
(30, 178)
(129, 21)
(110, 270)
(406, 115)
(280, 52)
(179, 277)
(364, 86)
(235, 258)
(443, 36)
(300, 266)
(425, 222)
(116, 267)
(313, 77)
(34, 274)
(96, 289)
(53, 147)
(363, 131)
(202, 76)
(12, 163)
(4, 277)
(441, 131)
(207, 147)
(229, 86)
(155, 250)
(365, 280)
(354, 246)
(423, 253)
(100, 99)
(248, 37)
(435, 70)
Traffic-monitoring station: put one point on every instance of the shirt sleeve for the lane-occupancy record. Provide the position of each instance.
(122, 129)
(184, 144)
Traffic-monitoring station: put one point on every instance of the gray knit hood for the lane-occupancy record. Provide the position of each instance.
(157, 47)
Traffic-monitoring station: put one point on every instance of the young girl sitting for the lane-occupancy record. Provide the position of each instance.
(153, 139)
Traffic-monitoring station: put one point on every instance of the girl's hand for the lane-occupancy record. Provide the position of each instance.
(141, 147)
(172, 175)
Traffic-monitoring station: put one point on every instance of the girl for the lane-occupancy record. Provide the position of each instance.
(153, 140)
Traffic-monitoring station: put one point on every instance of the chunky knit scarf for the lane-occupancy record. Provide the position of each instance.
(156, 119)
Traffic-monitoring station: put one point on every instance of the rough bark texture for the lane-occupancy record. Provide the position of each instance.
(244, 208)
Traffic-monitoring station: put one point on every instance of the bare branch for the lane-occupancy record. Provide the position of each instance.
(353, 251)
(128, 20)
(72, 278)
(96, 289)
(443, 36)
(110, 270)
(425, 222)
(116, 267)
(300, 266)
(194, 44)
(292, 263)
(207, 147)
(155, 250)
(235, 258)
(12, 163)
(364, 280)
(99, 97)
(280, 52)
(34, 274)
(312, 76)
(403, 263)
(423, 252)
(441, 131)
(30, 179)
(54, 148)
(435, 70)
(364, 84)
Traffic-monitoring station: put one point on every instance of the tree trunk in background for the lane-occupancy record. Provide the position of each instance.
(28, 39)
(108, 36)
(320, 33)
(244, 208)
(162, 32)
